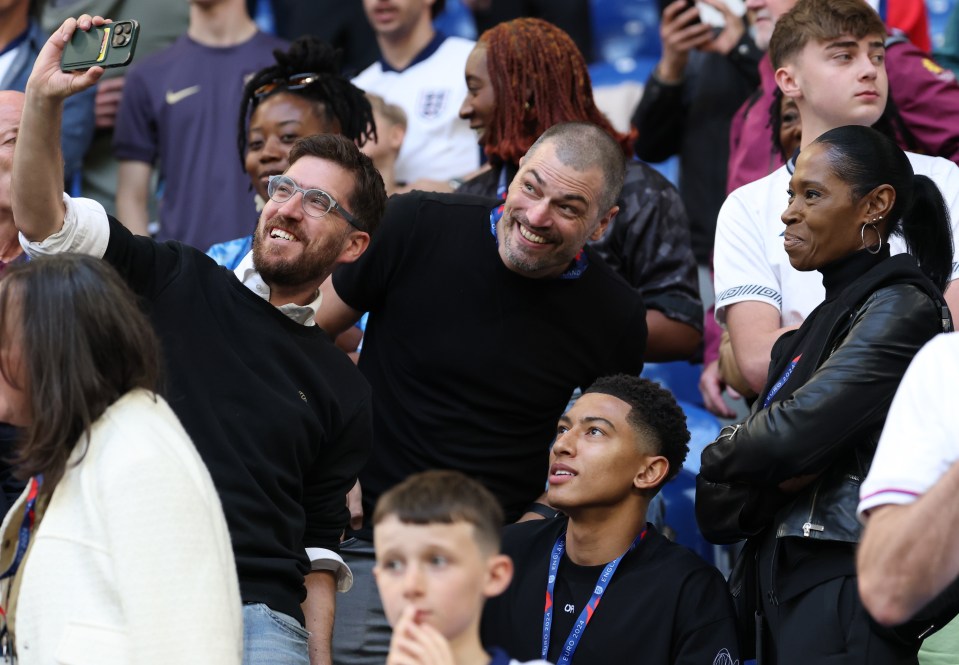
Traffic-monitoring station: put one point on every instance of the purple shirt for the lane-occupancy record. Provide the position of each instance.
(179, 111)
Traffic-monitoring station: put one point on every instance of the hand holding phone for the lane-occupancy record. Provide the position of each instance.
(108, 45)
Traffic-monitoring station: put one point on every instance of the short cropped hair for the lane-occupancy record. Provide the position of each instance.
(367, 201)
(821, 20)
(582, 146)
(654, 415)
(437, 8)
(444, 497)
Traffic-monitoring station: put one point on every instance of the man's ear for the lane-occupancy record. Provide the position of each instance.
(652, 474)
(786, 80)
(353, 247)
(499, 573)
(603, 223)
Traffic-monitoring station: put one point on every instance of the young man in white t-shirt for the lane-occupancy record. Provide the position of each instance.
(421, 71)
(829, 58)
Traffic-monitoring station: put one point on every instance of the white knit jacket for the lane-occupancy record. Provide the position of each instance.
(132, 561)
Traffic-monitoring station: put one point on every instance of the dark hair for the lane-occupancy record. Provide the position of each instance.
(367, 201)
(865, 159)
(583, 145)
(890, 124)
(821, 20)
(334, 97)
(437, 8)
(84, 343)
(444, 497)
(655, 415)
(539, 79)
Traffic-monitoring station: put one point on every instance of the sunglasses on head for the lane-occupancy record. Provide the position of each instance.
(292, 82)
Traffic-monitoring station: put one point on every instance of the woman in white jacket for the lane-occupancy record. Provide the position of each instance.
(118, 551)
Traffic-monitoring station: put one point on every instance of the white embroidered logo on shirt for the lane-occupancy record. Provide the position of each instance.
(178, 96)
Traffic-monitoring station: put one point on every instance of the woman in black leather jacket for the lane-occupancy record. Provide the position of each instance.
(787, 478)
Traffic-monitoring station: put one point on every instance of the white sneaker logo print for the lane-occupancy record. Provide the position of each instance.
(178, 96)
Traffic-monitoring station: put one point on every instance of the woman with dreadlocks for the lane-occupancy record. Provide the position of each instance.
(527, 75)
(301, 95)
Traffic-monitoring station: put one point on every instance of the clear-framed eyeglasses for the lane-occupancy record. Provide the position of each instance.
(316, 202)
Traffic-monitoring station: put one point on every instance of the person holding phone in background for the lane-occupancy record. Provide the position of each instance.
(21, 39)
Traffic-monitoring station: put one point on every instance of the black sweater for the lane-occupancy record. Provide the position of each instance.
(471, 363)
(663, 606)
(280, 415)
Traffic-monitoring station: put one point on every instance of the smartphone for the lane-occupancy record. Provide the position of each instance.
(110, 45)
(663, 4)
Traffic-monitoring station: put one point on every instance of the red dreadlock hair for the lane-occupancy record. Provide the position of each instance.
(540, 79)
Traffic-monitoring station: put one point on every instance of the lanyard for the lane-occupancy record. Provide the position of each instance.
(782, 381)
(566, 655)
(26, 526)
(23, 541)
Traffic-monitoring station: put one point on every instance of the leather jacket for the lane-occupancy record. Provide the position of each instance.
(828, 428)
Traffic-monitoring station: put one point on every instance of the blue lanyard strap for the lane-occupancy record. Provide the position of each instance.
(576, 634)
(26, 526)
(782, 381)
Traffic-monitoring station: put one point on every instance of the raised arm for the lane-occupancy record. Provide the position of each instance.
(38, 208)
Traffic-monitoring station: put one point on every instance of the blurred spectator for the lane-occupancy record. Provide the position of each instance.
(176, 115)
(687, 105)
(390, 131)
(571, 16)
(341, 24)
(21, 39)
(160, 23)
(421, 71)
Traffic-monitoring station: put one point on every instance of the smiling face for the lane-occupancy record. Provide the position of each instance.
(823, 222)
(838, 82)
(291, 248)
(440, 570)
(274, 126)
(480, 101)
(551, 211)
(598, 457)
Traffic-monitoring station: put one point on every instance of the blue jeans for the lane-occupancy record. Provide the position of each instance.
(273, 638)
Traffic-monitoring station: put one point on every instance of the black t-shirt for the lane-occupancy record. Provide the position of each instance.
(471, 363)
(279, 415)
(664, 605)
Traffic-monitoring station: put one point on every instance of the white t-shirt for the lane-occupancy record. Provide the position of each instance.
(750, 261)
(920, 440)
(439, 144)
